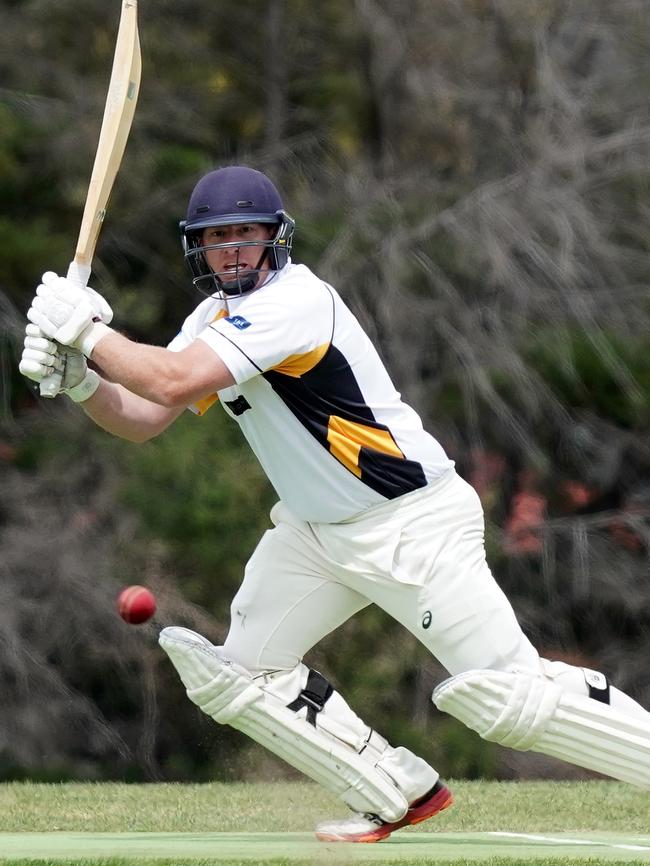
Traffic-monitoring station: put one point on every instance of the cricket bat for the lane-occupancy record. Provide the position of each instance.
(118, 115)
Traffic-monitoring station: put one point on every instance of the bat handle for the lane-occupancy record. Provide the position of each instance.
(79, 274)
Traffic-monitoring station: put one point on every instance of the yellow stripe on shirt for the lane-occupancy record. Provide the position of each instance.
(347, 438)
(296, 365)
(202, 406)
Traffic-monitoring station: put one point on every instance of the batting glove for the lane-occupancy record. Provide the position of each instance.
(102, 308)
(69, 314)
(40, 356)
(78, 381)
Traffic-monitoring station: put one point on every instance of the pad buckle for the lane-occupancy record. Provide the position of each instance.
(314, 696)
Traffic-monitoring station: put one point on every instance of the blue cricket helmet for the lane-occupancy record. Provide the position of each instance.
(229, 196)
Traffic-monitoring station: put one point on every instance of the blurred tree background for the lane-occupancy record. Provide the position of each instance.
(473, 176)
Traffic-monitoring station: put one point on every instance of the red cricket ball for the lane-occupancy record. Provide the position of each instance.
(136, 604)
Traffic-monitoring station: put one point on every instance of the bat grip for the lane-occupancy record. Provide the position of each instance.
(79, 274)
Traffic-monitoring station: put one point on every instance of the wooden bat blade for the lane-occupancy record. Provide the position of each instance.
(118, 115)
(121, 100)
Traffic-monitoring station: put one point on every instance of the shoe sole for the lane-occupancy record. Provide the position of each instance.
(441, 799)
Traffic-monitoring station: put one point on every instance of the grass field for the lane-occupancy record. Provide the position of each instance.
(497, 824)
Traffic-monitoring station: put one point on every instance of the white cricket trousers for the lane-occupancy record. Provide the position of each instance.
(420, 557)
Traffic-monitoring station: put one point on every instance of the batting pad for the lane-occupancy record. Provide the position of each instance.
(227, 692)
(530, 712)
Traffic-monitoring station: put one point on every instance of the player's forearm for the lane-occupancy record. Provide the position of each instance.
(118, 411)
(148, 371)
(170, 379)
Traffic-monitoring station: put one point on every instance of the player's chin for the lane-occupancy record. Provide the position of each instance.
(244, 280)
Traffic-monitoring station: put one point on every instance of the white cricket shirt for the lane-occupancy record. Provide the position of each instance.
(313, 398)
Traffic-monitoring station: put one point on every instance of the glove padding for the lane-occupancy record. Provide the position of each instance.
(42, 357)
(69, 314)
(102, 308)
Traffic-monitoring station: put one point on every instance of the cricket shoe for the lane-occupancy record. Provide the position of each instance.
(370, 828)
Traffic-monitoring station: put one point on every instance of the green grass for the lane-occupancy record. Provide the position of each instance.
(296, 806)
(520, 859)
(164, 819)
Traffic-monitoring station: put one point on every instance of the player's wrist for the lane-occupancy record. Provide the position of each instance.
(85, 389)
(91, 335)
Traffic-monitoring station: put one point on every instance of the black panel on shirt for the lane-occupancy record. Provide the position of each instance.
(330, 388)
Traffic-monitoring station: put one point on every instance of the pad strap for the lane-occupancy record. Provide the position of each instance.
(314, 696)
(598, 686)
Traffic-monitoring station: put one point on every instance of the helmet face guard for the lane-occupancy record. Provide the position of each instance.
(275, 251)
(234, 195)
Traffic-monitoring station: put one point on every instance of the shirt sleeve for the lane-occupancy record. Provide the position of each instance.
(207, 311)
(180, 341)
(280, 329)
(192, 326)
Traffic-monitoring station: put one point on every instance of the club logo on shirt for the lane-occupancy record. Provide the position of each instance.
(239, 322)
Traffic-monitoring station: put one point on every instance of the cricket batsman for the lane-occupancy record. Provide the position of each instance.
(370, 511)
